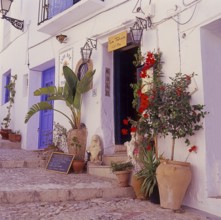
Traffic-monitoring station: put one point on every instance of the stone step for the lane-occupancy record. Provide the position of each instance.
(104, 170)
(117, 157)
(120, 148)
(24, 185)
(100, 170)
(23, 163)
(6, 144)
(18, 158)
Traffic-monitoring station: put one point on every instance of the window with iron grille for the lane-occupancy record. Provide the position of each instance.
(50, 8)
(57, 6)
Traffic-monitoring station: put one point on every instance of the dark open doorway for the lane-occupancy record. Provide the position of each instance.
(124, 75)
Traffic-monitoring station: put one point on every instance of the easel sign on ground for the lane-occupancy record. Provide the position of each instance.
(60, 162)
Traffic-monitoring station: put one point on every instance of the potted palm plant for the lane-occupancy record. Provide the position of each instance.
(71, 95)
(181, 119)
(147, 173)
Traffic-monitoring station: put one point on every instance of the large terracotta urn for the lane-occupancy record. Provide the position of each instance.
(173, 179)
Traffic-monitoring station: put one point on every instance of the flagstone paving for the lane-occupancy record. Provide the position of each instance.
(97, 209)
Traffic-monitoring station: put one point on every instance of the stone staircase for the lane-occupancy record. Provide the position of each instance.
(24, 179)
(104, 170)
(12, 156)
(5, 144)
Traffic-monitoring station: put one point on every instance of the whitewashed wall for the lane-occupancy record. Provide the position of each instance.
(193, 47)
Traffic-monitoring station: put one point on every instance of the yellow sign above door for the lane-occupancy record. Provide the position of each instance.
(117, 41)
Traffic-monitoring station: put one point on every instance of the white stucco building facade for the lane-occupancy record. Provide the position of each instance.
(187, 32)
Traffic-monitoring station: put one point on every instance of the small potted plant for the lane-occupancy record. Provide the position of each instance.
(123, 171)
(7, 119)
(15, 136)
(78, 162)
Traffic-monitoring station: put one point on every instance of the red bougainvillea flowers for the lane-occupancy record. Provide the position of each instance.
(192, 149)
(125, 121)
(124, 131)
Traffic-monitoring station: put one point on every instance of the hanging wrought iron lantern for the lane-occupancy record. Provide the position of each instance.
(136, 33)
(5, 6)
(86, 50)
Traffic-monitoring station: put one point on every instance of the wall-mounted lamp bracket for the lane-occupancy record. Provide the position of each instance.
(15, 22)
(142, 22)
(92, 42)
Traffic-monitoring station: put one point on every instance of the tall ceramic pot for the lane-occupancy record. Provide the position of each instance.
(173, 179)
(76, 141)
(136, 183)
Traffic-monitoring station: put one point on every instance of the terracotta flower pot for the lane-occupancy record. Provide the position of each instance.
(123, 177)
(173, 179)
(14, 137)
(78, 166)
(5, 133)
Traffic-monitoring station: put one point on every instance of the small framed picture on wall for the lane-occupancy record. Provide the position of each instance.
(65, 58)
(107, 81)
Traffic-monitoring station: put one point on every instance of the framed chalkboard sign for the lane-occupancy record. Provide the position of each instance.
(60, 162)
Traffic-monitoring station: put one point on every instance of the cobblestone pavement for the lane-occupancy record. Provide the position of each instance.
(21, 178)
(96, 209)
(18, 179)
(17, 154)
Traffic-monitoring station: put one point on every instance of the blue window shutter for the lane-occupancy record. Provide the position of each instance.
(69, 3)
(7, 94)
(57, 6)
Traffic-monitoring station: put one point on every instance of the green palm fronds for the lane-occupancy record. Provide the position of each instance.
(71, 94)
